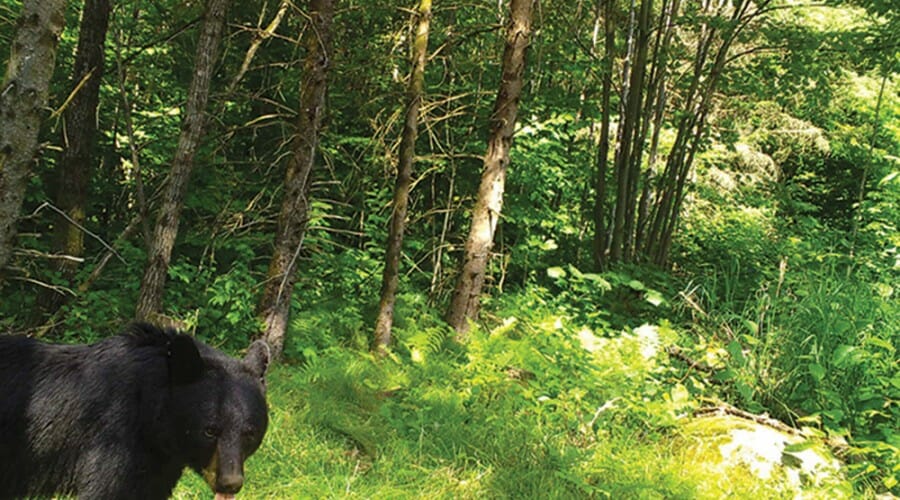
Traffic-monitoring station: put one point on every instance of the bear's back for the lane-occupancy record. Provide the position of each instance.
(57, 401)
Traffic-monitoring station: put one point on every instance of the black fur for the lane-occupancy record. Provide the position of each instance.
(122, 418)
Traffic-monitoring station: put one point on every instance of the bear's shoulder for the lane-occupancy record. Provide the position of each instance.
(147, 335)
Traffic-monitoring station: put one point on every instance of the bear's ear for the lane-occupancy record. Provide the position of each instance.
(185, 365)
(257, 358)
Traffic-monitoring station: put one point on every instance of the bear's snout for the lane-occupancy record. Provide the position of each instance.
(229, 483)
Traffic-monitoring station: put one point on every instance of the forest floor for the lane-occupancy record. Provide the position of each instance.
(537, 407)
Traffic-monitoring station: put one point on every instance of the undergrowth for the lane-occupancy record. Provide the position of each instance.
(537, 405)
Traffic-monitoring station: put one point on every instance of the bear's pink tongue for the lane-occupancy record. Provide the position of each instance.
(224, 496)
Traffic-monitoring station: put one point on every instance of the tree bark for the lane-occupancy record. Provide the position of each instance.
(600, 236)
(389, 280)
(658, 83)
(160, 252)
(465, 301)
(629, 150)
(79, 138)
(23, 99)
(274, 307)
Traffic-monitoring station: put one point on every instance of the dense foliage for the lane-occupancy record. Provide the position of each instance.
(779, 294)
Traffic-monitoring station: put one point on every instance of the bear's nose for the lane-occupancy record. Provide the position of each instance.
(229, 483)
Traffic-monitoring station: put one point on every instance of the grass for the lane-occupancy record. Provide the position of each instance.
(524, 411)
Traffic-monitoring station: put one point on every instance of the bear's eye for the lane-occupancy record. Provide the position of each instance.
(211, 432)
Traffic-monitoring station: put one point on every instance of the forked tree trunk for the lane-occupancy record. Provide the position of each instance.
(79, 137)
(23, 100)
(465, 301)
(160, 252)
(274, 307)
(389, 280)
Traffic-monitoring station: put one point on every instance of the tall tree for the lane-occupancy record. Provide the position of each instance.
(160, 251)
(23, 99)
(274, 307)
(486, 213)
(415, 89)
(609, 43)
(78, 139)
(629, 149)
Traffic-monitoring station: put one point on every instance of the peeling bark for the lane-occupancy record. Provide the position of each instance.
(23, 102)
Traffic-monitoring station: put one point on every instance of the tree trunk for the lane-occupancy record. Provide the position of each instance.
(153, 283)
(78, 140)
(690, 132)
(465, 301)
(23, 99)
(658, 83)
(389, 280)
(630, 148)
(274, 307)
(600, 237)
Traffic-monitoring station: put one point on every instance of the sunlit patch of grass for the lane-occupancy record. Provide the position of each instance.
(529, 409)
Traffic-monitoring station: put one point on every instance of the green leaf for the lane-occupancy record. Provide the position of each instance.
(654, 297)
(636, 285)
(880, 343)
(798, 447)
(737, 352)
(601, 283)
(575, 272)
(556, 272)
(750, 340)
(817, 371)
(752, 326)
(725, 375)
(840, 354)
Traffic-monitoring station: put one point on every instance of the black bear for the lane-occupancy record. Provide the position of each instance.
(122, 418)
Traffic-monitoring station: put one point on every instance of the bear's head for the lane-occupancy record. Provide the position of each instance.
(217, 409)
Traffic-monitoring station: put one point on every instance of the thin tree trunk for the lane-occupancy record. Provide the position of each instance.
(628, 148)
(690, 133)
(389, 280)
(639, 109)
(79, 139)
(667, 185)
(465, 301)
(134, 148)
(153, 283)
(600, 235)
(23, 99)
(659, 80)
(274, 307)
(861, 193)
